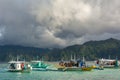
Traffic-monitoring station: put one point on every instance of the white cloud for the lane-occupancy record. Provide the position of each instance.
(58, 23)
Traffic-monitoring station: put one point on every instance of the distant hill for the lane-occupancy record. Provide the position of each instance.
(10, 52)
(95, 49)
(90, 50)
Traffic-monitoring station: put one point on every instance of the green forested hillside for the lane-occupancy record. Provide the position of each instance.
(90, 50)
(10, 52)
(95, 49)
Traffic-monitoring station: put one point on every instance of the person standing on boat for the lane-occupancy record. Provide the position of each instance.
(22, 66)
(82, 64)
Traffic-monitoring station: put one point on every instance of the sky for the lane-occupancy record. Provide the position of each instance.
(58, 23)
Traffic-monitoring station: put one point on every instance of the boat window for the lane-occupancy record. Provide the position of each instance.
(12, 66)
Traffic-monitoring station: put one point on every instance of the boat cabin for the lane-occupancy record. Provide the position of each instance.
(108, 63)
(18, 66)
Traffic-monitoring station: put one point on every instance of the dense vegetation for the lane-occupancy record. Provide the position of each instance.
(90, 50)
(10, 52)
(95, 49)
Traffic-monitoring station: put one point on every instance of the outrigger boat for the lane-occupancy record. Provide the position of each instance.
(75, 68)
(41, 66)
(38, 65)
(74, 65)
(108, 63)
(19, 66)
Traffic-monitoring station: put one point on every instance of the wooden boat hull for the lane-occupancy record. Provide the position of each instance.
(14, 70)
(72, 69)
(87, 69)
(26, 71)
(108, 66)
(39, 69)
(23, 71)
(75, 69)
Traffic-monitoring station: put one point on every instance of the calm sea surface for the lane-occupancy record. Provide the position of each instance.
(106, 74)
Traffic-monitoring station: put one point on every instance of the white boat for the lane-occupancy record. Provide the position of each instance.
(19, 66)
(108, 63)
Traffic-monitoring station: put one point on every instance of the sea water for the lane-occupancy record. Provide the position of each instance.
(106, 74)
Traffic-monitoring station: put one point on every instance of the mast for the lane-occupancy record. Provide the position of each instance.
(83, 59)
(109, 57)
(74, 57)
(17, 57)
(71, 57)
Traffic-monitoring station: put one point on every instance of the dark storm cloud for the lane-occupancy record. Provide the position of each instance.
(53, 23)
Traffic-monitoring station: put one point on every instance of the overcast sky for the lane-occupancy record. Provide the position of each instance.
(58, 23)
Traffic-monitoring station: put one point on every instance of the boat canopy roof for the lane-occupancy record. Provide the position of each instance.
(36, 61)
(17, 62)
(107, 60)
